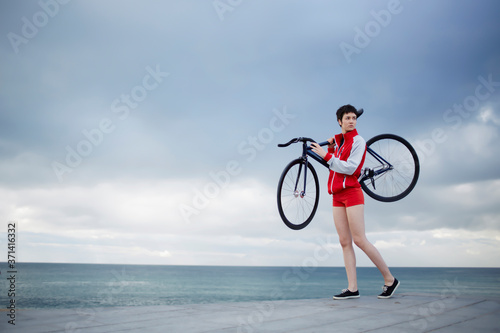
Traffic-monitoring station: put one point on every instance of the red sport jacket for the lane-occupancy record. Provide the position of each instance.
(346, 160)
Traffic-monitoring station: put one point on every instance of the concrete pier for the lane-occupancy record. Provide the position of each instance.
(402, 313)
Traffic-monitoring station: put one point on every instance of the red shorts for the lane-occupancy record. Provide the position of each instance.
(349, 197)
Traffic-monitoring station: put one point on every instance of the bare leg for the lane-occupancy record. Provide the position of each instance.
(345, 239)
(356, 220)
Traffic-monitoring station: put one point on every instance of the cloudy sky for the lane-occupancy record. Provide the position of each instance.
(145, 132)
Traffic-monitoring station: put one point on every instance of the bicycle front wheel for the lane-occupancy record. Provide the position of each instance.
(391, 168)
(298, 194)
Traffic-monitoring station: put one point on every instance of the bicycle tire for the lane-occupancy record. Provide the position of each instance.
(397, 183)
(295, 210)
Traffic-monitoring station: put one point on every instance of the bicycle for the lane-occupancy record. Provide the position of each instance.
(390, 173)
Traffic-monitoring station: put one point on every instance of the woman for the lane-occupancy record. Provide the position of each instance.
(346, 155)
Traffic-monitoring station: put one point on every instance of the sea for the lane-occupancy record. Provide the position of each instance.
(52, 286)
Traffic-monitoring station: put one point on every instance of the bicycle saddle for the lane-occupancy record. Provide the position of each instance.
(359, 113)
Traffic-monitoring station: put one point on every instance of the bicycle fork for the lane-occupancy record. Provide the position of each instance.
(296, 192)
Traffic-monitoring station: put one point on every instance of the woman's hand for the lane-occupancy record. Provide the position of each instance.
(318, 149)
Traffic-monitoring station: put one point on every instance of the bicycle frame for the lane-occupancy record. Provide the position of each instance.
(394, 180)
(307, 151)
(368, 173)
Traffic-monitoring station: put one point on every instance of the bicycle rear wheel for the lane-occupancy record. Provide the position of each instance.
(297, 204)
(391, 168)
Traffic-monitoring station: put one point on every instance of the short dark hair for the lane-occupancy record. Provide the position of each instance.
(346, 109)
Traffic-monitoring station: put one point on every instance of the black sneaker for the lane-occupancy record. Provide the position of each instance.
(346, 294)
(389, 291)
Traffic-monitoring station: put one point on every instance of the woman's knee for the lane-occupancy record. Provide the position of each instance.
(361, 241)
(345, 241)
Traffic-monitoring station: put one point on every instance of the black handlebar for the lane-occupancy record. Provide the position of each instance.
(301, 139)
(295, 141)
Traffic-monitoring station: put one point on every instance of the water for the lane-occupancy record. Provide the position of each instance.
(44, 285)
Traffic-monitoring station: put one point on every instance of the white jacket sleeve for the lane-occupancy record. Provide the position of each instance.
(349, 167)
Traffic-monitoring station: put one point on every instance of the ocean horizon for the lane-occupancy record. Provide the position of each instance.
(66, 285)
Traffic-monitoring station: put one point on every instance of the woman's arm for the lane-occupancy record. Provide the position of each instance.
(356, 156)
(320, 151)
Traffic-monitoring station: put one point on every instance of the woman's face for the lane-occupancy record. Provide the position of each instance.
(348, 122)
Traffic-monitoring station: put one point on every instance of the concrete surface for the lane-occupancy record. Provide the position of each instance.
(402, 313)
